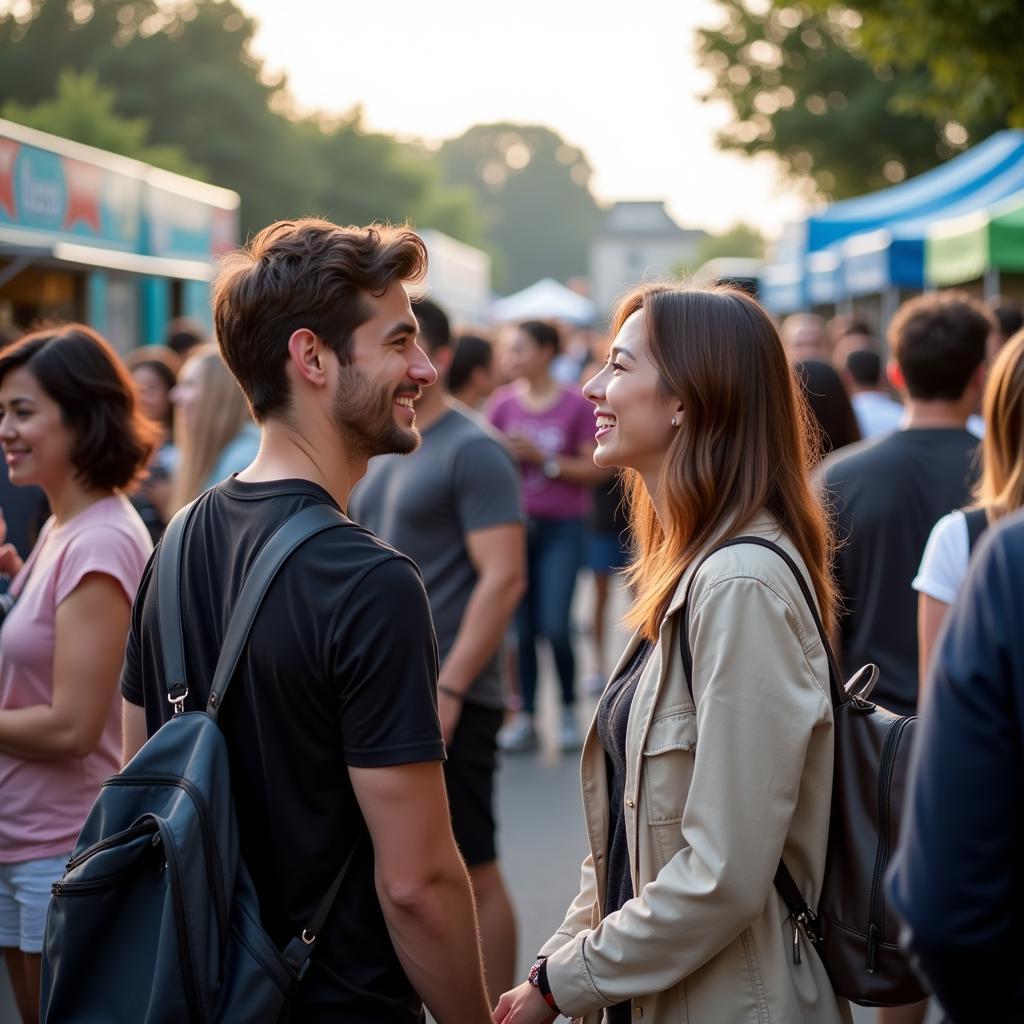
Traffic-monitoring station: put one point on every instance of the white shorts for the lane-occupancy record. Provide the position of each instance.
(24, 897)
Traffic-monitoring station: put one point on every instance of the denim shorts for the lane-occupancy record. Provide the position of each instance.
(24, 897)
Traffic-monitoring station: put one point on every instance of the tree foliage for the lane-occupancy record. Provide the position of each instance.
(740, 240)
(534, 193)
(973, 51)
(84, 111)
(802, 88)
(188, 69)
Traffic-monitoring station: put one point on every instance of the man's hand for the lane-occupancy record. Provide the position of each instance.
(449, 710)
(523, 1005)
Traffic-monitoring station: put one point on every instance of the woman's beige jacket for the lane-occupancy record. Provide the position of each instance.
(715, 792)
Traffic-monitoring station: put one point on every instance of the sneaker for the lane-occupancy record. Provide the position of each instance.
(519, 736)
(569, 735)
(593, 684)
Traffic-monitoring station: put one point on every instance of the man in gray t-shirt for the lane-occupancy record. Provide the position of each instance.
(454, 507)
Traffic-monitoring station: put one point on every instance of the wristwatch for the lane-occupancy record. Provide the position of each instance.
(538, 978)
(551, 468)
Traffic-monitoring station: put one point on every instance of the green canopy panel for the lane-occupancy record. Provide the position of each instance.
(964, 248)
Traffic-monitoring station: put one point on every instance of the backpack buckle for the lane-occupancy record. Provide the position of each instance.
(176, 697)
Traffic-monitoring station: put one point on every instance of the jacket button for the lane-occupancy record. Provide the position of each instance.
(630, 803)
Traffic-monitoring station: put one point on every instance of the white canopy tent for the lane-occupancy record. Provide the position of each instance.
(545, 300)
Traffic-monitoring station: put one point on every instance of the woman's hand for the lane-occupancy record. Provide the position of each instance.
(10, 560)
(523, 1005)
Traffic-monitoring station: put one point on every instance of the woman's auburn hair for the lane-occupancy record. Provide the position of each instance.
(744, 445)
(1001, 487)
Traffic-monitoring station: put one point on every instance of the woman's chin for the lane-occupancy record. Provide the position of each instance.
(604, 456)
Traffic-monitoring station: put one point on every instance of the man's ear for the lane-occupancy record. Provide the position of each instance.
(895, 375)
(306, 355)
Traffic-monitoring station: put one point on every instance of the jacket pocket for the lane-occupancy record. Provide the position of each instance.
(668, 765)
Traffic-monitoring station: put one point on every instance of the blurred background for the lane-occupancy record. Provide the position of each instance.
(581, 145)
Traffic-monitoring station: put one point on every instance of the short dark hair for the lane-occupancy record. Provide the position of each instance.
(1009, 314)
(938, 340)
(435, 328)
(544, 334)
(303, 274)
(183, 335)
(471, 353)
(865, 367)
(85, 377)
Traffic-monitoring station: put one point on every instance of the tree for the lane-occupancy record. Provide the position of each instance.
(188, 69)
(802, 89)
(534, 194)
(739, 240)
(973, 53)
(84, 111)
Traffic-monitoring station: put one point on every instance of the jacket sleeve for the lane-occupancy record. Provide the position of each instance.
(579, 916)
(956, 881)
(758, 702)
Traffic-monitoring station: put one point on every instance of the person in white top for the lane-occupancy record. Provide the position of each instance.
(861, 371)
(1000, 491)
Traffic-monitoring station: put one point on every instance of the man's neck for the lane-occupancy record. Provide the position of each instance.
(936, 415)
(287, 454)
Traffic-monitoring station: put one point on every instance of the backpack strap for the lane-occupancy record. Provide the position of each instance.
(836, 689)
(289, 536)
(977, 524)
(800, 911)
(168, 605)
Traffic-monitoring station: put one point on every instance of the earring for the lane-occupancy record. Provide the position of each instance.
(675, 421)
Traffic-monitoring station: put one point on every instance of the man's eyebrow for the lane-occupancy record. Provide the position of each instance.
(620, 350)
(402, 328)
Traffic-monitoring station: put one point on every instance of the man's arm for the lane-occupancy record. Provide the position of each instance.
(498, 556)
(423, 888)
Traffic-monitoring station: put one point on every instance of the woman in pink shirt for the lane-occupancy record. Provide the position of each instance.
(67, 424)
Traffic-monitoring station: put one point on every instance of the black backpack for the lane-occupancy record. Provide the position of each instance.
(155, 920)
(853, 928)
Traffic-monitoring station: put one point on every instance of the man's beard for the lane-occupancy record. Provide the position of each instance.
(365, 416)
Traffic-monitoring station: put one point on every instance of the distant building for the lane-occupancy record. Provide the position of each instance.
(638, 241)
(458, 278)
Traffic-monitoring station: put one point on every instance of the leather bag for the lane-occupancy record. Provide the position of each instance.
(853, 929)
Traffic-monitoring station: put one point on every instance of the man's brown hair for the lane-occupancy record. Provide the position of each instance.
(303, 274)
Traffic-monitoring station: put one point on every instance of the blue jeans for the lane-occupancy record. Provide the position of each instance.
(554, 555)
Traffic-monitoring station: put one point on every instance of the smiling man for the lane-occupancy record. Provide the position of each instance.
(332, 722)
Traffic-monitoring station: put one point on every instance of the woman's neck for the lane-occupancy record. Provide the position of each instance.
(72, 497)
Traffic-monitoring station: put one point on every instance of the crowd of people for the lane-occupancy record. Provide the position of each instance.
(475, 478)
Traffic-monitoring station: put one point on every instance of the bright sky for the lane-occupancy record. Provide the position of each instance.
(621, 82)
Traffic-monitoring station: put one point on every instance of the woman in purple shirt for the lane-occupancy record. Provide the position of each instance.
(550, 429)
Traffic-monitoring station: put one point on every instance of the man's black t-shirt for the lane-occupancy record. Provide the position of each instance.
(887, 494)
(340, 671)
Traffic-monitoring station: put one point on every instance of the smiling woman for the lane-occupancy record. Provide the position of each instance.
(67, 424)
(698, 404)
